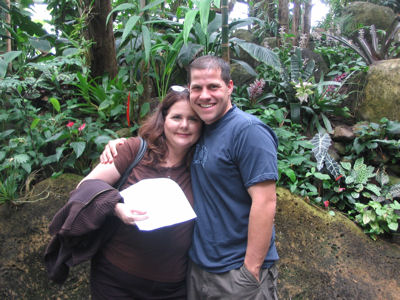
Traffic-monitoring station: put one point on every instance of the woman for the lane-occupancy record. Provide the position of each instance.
(138, 264)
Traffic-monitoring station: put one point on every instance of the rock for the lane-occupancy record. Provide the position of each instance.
(325, 257)
(240, 76)
(365, 13)
(320, 65)
(382, 92)
(322, 257)
(270, 42)
(343, 133)
(340, 148)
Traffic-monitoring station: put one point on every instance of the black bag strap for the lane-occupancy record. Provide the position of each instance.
(139, 156)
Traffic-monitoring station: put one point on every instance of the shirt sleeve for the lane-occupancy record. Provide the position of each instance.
(255, 154)
(126, 154)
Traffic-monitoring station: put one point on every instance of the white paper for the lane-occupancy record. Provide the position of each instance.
(162, 199)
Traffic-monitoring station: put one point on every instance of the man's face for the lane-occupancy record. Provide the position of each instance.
(210, 96)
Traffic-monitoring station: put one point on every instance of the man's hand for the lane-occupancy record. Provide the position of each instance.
(127, 215)
(110, 151)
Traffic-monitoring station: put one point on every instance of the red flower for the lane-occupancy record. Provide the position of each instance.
(82, 127)
(128, 110)
(337, 178)
(326, 203)
(70, 124)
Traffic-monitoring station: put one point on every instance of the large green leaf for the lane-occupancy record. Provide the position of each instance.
(188, 24)
(121, 7)
(128, 27)
(146, 43)
(204, 9)
(151, 5)
(246, 66)
(78, 147)
(321, 144)
(41, 45)
(262, 54)
(5, 59)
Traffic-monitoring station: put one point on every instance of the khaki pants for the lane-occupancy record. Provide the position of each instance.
(237, 284)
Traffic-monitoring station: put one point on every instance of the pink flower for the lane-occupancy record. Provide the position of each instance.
(82, 127)
(256, 88)
(70, 124)
(326, 203)
(341, 189)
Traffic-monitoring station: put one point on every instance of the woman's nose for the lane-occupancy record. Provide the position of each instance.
(184, 123)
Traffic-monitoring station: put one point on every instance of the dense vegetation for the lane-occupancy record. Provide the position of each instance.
(56, 115)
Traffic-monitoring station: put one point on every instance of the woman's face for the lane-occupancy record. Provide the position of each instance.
(182, 127)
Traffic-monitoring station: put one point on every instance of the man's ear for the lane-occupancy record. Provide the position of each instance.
(230, 87)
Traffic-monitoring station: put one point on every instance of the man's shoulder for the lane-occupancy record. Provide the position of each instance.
(241, 117)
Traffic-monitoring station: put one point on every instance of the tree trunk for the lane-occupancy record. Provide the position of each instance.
(283, 16)
(103, 54)
(145, 70)
(225, 30)
(307, 21)
(296, 21)
(8, 22)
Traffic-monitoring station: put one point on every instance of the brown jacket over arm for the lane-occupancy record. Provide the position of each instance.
(81, 227)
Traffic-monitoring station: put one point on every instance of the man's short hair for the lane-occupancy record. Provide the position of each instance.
(211, 62)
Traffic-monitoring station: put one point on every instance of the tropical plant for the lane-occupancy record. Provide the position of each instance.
(373, 52)
(377, 218)
(382, 138)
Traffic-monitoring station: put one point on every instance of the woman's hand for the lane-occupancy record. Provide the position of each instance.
(129, 216)
(110, 151)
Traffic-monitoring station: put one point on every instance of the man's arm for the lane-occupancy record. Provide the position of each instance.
(110, 151)
(261, 220)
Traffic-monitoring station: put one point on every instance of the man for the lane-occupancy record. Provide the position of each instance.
(233, 172)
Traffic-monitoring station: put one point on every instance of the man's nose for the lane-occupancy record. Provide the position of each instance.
(204, 93)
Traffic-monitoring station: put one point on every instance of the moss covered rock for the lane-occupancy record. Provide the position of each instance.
(360, 13)
(382, 92)
(325, 257)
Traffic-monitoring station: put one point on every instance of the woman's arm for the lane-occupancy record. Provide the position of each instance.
(105, 172)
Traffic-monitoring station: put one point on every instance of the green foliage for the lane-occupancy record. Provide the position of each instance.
(378, 143)
(377, 218)
(107, 99)
(339, 59)
(294, 87)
